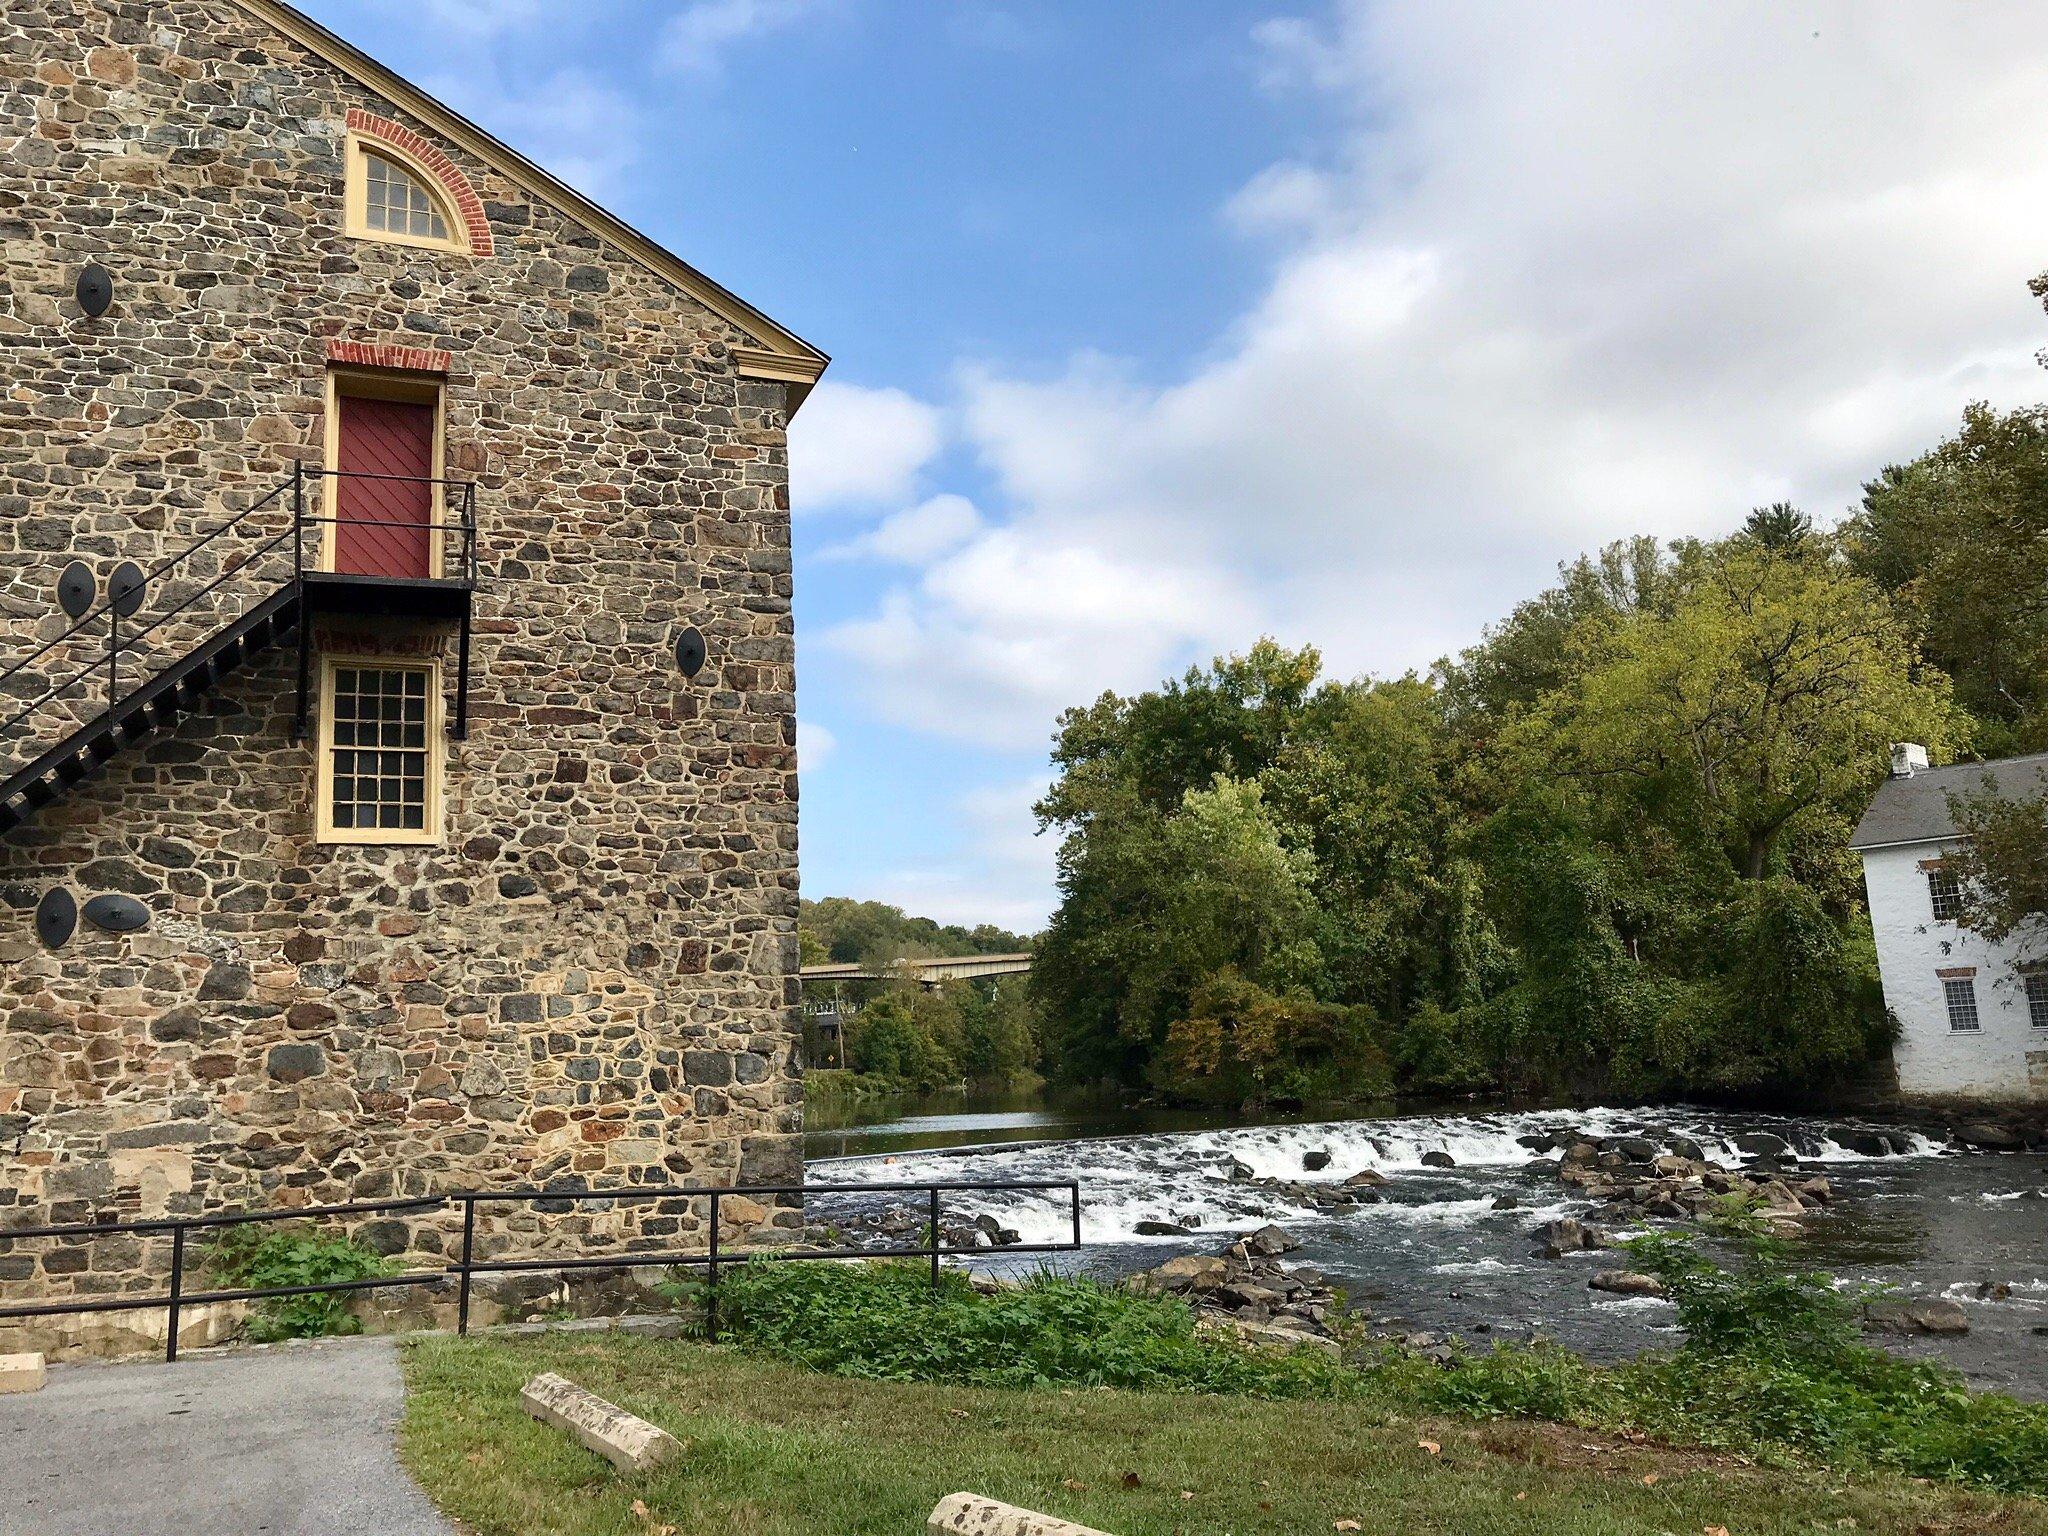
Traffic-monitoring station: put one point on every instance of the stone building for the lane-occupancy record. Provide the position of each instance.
(433, 821)
(1972, 1014)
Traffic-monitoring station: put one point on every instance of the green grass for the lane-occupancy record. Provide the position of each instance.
(772, 1448)
(1772, 1366)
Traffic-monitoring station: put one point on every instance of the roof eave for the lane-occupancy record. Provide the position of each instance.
(1908, 842)
(779, 354)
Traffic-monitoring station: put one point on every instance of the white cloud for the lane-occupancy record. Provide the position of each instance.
(699, 36)
(815, 745)
(854, 446)
(1002, 873)
(1575, 272)
(572, 124)
(999, 635)
(915, 535)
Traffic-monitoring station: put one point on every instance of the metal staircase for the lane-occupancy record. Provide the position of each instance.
(266, 577)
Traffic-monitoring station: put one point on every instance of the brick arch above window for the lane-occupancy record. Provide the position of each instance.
(420, 152)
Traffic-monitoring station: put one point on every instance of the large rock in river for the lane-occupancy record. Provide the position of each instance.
(1437, 1159)
(1626, 1282)
(1763, 1144)
(1191, 1272)
(1988, 1137)
(1269, 1242)
(1899, 1317)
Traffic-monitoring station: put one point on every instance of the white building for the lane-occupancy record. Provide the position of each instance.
(1973, 1016)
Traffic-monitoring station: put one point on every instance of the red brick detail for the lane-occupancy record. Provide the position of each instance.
(1957, 972)
(373, 354)
(468, 206)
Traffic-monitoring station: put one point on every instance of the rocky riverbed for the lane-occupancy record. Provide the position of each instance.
(1486, 1226)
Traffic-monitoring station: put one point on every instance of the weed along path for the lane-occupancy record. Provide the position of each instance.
(289, 1441)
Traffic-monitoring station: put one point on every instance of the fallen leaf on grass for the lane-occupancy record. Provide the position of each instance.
(1187, 1493)
(1266, 1505)
(1521, 1496)
(641, 1511)
(1346, 1525)
(956, 1413)
(1651, 1479)
(1713, 1530)
(1430, 1446)
(1130, 1479)
(1072, 1484)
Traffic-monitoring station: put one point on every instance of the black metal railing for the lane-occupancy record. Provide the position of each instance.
(466, 1266)
(122, 609)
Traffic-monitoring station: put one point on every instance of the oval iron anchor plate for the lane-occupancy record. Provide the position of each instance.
(691, 651)
(124, 587)
(117, 914)
(76, 589)
(95, 290)
(56, 917)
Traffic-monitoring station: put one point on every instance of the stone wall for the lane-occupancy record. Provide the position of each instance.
(593, 979)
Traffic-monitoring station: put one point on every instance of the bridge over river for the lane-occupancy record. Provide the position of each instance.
(927, 972)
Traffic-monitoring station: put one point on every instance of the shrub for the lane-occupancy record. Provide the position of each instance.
(884, 1322)
(1764, 1307)
(263, 1259)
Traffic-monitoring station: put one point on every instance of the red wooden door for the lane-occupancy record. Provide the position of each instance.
(384, 498)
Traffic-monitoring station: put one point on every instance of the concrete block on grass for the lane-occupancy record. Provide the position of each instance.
(21, 1373)
(628, 1443)
(969, 1514)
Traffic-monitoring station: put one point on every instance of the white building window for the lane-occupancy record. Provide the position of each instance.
(1945, 892)
(1960, 992)
(2037, 998)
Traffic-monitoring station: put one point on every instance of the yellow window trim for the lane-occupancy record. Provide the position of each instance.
(432, 832)
(384, 384)
(356, 198)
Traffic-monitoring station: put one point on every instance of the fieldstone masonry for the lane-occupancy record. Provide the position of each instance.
(593, 979)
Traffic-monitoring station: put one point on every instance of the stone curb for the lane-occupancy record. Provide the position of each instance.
(628, 1443)
(972, 1514)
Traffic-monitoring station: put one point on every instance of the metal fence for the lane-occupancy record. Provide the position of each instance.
(467, 1266)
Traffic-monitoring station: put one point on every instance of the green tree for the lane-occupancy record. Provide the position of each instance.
(1771, 683)
(2002, 866)
(1959, 536)
(884, 1040)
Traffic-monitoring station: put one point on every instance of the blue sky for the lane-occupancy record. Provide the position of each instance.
(1160, 326)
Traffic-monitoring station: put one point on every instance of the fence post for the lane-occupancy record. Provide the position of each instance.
(935, 1236)
(177, 1292)
(711, 1288)
(468, 1244)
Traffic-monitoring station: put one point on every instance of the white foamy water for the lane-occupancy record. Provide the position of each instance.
(1186, 1178)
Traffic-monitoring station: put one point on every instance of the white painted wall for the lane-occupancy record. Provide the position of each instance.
(2007, 1057)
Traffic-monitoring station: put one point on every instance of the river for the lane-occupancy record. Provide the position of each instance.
(1437, 1255)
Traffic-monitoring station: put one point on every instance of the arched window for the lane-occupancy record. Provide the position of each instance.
(395, 195)
(396, 202)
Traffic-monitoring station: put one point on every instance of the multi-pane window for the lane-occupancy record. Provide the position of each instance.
(396, 203)
(1960, 992)
(2036, 983)
(1945, 892)
(380, 763)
